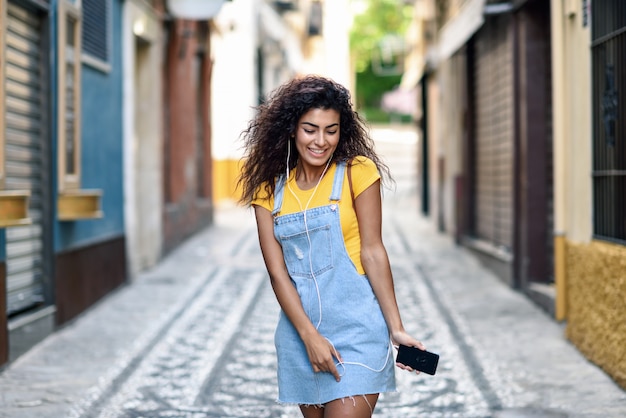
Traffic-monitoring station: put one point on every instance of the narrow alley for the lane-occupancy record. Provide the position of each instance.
(193, 336)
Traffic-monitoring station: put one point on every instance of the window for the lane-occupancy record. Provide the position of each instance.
(96, 33)
(609, 122)
(69, 96)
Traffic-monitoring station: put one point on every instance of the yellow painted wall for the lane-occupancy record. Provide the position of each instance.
(577, 102)
(590, 274)
(596, 289)
(572, 133)
(225, 174)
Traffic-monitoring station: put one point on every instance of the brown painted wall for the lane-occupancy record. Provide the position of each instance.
(85, 275)
(181, 100)
(596, 323)
(534, 153)
(187, 177)
(206, 188)
(4, 332)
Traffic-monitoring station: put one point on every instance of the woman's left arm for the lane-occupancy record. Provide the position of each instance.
(368, 207)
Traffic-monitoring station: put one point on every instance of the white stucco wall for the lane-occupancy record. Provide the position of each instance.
(233, 79)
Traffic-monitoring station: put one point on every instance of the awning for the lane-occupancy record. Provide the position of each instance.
(452, 36)
(457, 31)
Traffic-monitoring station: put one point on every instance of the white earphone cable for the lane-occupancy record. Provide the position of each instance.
(317, 289)
(306, 227)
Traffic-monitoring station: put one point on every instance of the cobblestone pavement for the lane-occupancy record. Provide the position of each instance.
(217, 359)
(193, 338)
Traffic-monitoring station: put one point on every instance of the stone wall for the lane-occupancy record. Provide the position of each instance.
(596, 299)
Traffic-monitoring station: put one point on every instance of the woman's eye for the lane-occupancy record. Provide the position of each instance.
(332, 132)
(308, 131)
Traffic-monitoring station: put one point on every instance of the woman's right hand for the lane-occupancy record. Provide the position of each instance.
(401, 337)
(322, 355)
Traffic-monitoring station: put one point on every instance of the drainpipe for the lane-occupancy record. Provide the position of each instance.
(559, 156)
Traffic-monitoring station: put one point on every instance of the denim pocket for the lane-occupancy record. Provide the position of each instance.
(308, 253)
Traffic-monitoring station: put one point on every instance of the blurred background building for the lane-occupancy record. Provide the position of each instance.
(119, 129)
(523, 155)
(259, 45)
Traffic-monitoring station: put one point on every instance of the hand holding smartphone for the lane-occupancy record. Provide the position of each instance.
(417, 359)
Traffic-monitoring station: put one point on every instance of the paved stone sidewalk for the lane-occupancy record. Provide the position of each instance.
(517, 355)
(193, 337)
(89, 360)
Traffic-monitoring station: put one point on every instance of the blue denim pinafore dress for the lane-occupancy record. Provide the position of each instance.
(339, 302)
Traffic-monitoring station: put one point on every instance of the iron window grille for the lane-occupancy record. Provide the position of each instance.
(608, 52)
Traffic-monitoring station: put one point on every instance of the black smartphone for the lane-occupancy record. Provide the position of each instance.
(417, 359)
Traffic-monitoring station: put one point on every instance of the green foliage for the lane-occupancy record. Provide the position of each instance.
(370, 87)
(380, 19)
(376, 115)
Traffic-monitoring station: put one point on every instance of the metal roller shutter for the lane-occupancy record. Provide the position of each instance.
(494, 134)
(25, 127)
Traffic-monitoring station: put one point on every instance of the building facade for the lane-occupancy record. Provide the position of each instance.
(590, 177)
(486, 164)
(522, 152)
(61, 189)
(275, 41)
(105, 152)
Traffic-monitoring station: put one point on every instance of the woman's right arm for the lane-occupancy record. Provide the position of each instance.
(319, 350)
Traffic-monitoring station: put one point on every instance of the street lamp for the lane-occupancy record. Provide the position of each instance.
(194, 9)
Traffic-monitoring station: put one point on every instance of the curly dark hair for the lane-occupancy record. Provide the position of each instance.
(265, 138)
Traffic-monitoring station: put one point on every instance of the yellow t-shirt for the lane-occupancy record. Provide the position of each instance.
(364, 173)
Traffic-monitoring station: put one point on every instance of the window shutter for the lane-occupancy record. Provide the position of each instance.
(95, 34)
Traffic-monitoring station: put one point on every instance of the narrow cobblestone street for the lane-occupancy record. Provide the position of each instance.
(193, 337)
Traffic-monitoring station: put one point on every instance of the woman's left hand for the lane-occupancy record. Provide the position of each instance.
(401, 337)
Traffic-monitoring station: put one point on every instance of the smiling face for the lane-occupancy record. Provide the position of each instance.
(317, 136)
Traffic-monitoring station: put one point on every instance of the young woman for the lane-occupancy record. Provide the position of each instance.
(314, 181)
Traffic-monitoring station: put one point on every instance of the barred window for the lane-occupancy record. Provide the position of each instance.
(69, 82)
(96, 29)
(609, 123)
